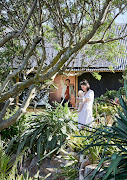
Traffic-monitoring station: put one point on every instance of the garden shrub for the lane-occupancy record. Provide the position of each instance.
(46, 132)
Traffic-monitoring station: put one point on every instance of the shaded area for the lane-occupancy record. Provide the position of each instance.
(108, 81)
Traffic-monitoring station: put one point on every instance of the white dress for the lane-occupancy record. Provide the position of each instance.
(85, 115)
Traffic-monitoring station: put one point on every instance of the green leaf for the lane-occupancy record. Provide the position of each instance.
(125, 86)
(39, 146)
(114, 163)
(35, 132)
(99, 165)
(10, 144)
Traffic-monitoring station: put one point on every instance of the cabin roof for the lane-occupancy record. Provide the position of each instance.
(98, 66)
(102, 66)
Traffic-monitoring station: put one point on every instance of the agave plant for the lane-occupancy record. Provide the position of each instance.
(46, 132)
(114, 136)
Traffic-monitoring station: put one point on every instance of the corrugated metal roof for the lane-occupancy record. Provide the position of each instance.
(95, 69)
(102, 65)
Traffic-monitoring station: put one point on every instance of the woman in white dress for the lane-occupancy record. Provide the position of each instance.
(85, 115)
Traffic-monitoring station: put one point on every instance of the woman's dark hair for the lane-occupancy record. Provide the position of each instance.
(85, 83)
(67, 80)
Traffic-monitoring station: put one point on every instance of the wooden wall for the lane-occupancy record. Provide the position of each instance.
(55, 95)
(108, 81)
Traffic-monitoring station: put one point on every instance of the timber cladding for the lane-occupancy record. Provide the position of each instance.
(55, 94)
(108, 81)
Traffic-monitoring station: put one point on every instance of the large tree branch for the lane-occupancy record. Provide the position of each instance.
(10, 76)
(22, 85)
(37, 79)
(2, 114)
(66, 66)
(78, 46)
(16, 34)
(10, 121)
(57, 63)
(16, 89)
(55, 60)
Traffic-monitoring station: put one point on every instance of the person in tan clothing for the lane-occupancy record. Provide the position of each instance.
(67, 90)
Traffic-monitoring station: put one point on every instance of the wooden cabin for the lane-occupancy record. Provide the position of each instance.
(109, 80)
